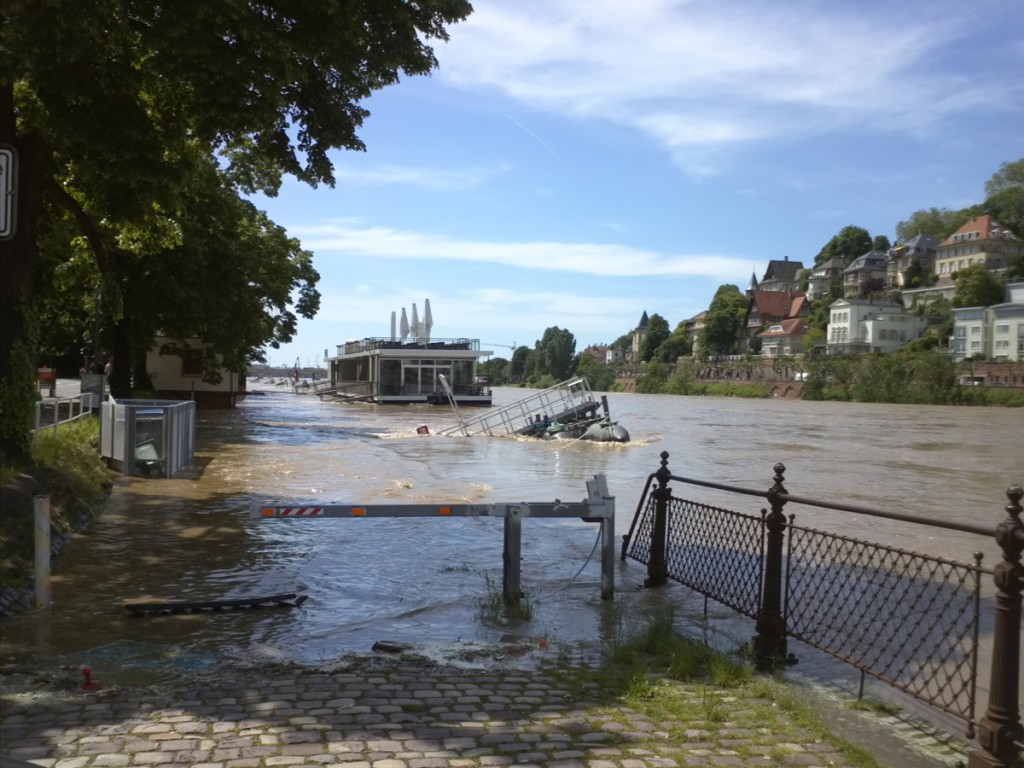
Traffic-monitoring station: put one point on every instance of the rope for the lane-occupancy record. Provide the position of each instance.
(577, 574)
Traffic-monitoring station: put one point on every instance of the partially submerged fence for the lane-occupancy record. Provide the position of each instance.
(598, 507)
(908, 619)
(153, 438)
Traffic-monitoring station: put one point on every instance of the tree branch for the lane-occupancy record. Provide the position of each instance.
(85, 224)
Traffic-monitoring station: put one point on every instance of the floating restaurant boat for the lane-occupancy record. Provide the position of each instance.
(407, 367)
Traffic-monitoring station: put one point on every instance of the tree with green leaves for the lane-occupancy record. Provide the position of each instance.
(1010, 175)
(107, 102)
(934, 376)
(1015, 269)
(653, 379)
(497, 368)
(224, 276)
(657, 334)
(940, 223)
(976, 286)
(882, 379)
(1007, 207)
(555, 353)
(599, 375)
(723, 322)
(848, 244)
(678, 345)
(517, 368)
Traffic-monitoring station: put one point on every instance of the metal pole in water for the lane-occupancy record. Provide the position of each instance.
(512, 557)
(455, 406)
(41, 505)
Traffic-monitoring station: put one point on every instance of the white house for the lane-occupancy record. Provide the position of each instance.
(995, 333)
(862, 325)
(180, 377)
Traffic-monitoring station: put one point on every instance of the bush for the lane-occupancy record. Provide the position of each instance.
(67, 467)
(1013, 398)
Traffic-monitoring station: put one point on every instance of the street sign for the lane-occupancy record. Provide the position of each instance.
(8, 190)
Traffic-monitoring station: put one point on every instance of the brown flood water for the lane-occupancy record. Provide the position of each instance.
(424, 580)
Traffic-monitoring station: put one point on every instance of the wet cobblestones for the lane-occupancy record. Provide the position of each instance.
(398, 716)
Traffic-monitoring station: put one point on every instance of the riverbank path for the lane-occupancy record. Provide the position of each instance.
(402, 713)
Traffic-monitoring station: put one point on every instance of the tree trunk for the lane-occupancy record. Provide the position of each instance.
(140, 374)
(18, 347)
(121, 374)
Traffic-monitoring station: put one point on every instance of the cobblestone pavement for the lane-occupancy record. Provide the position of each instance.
(398, 714)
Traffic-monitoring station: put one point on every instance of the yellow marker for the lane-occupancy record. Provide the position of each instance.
(358, 511)
(268, 512)
(444, 510)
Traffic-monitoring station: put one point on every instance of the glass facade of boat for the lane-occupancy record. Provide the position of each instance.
(387, 370)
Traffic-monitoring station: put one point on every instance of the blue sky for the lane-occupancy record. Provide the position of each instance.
(575, 164)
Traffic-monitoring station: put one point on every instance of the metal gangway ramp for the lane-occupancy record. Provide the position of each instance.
(558, 402)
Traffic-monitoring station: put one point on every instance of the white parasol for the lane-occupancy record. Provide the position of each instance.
(428, 319)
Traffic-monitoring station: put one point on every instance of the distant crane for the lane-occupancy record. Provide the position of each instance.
(503, 346)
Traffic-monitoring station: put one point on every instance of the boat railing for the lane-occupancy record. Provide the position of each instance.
(321, 387)
(348, 390)
(371, 344)
(567, 397)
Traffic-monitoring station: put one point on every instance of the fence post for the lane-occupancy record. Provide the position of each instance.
(770, 642)
(657, 564)
(999, 731)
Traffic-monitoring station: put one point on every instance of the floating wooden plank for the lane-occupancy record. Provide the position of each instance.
(290, 599)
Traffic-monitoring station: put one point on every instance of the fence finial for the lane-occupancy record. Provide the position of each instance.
(1014, 493)
(663, 471)
(779, 479)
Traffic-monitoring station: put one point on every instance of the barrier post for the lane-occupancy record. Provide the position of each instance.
(512, 556)
(657, 565)
(999, 731)
(608, 553)
(770, 642)
(41, 507)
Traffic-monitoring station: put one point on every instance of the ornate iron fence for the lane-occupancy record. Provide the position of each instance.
(906, 618)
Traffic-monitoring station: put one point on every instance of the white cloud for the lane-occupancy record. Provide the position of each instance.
(437, 179)
(484, 312)
(599, 259)
(700, 77)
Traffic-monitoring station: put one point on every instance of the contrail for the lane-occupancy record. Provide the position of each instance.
(526, 130)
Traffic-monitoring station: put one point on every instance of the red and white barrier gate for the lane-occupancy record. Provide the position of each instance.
(598, 507)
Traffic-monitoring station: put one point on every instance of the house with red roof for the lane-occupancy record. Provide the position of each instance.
(784, 338)
(982, 240)
(767, 308)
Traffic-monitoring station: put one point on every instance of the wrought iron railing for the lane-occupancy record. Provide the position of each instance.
(906, 618)
(902, 617)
